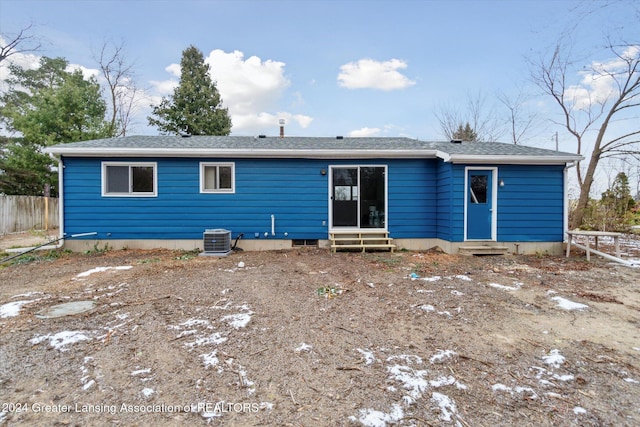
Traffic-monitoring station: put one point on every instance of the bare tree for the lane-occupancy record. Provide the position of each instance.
(519, 121)
(122, 90)
(603, 104)
(20, 43)
(480, 117)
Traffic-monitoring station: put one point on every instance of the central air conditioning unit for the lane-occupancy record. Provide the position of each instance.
(217, 242)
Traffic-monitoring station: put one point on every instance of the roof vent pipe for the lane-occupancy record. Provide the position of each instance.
(281, 122)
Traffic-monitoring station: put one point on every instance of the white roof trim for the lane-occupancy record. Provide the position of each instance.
(61, 150)
(511, 159)
(239, 153)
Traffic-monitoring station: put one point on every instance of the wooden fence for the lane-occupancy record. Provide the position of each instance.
(23, 213)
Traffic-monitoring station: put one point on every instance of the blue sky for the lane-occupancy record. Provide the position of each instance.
(331, 67)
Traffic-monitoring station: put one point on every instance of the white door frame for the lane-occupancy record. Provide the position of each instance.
(494, 198)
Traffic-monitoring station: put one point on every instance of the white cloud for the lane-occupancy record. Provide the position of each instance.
(86, 72)
(364, 132)
(173, 69)
(163, 87)
(250, 88)
(257, 122)
(371, 74)
(597, 86)
(247, 86)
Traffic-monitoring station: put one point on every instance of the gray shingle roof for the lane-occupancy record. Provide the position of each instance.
(302, 147)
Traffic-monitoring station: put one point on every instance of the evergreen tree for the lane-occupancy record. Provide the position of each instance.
(465, 133)
(195, 107)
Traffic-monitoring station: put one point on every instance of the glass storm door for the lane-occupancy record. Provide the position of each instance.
(479, 205)
(358, 197)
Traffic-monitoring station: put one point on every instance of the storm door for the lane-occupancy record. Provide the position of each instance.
(480, 205)
(358, 197)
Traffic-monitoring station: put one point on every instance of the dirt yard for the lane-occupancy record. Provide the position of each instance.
(309, 338)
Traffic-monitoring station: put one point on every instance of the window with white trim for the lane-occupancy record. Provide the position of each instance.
(135, 179)
(217, 177)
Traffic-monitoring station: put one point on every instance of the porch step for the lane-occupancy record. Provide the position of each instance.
(364, 239)
(483, 249)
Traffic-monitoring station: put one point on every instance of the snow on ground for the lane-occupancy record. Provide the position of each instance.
(416, 385)
(205, 333)
(566, 304)
(369, 357)
(12, 309)
(61, 340)
(101, 270)
(302, 347)
(515, 286)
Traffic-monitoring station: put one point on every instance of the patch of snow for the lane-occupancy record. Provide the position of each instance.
(369, 357)
(632, 381)
(215, 338)
(239, 320)
(463, 277)
(442, 355)
(554, 358)
(88, 385)
(444, 381)
(211, 414)
(578, 410)
(102, 269)
(519, 390)
(446, 404)
(60, 340)
(566, 304)
(456, 293)
(12, 309)
(140, 371)
(373, 418)
(191, 322)
(500, 387)
(302, 347)
(147, 392)
(424, 291)
(406, 357)
(412, 380)
(427, 307)
(266, 405)
(210, 359)
(505, 288)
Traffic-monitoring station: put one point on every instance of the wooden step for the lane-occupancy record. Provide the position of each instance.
(364, 239)
(483, 249)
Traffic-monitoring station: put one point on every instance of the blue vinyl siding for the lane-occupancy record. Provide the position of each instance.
(444, 201)
(531, 203)
(412, 198)
(293, 190)
(425, 200)
(450, 202)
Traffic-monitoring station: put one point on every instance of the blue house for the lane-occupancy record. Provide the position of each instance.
(166, 191)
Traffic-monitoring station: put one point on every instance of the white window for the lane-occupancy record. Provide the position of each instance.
(217, 178)
(135, 179)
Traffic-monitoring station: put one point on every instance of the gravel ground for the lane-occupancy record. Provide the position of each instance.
(309, 338)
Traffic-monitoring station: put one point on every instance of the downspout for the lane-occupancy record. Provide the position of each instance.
(565, 196)
(60, 199)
